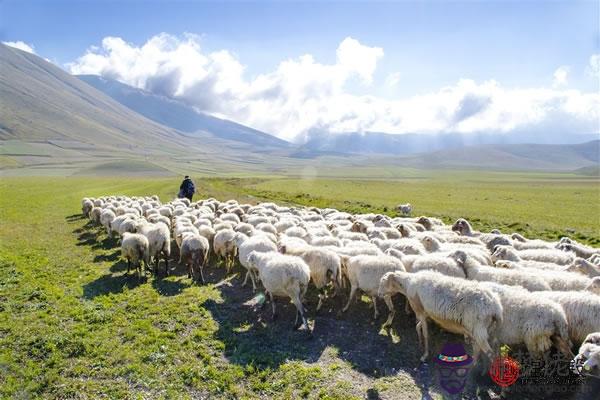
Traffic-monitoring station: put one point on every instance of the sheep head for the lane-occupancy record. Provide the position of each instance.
(391, 283)
(594, 285)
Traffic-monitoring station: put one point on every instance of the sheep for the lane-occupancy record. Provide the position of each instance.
(585, 267)
(135, 248)
(224, 247)
(433, 245)
(244, 228)
(578, 249)
(582, 310)
(474, 271)
(502, 252)
(594, 286)
(457, 305)
(194, 253)
(404, 209)
(557, 279)
(527, 318)
(283, 275)
(94, 214)
(245, 246)
(442, 264)
(106, 217)
(86, 207)
(159, 239)
(592, 338)
(364, 272)
(325, 265)
(536, 255)
(405, 245)
(269, 228)
(541, 255)
(595, 259)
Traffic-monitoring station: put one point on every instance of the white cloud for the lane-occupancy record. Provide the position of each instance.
(392, 79)
(302, 95)
(593, 68)
(561, 76)
(21, 46)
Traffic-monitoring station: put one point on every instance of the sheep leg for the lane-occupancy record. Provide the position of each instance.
(300, 308)
(352, 293)
(246, 278)
(128, 265)
(376, 312)
(166, 264)
(407, 308)
(390, 306)
(419, 333)
(425, 332)
(321, 296)
(273, 307)
(253, 281)
(201, 275)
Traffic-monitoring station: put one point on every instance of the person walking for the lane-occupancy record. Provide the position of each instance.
(187, 188)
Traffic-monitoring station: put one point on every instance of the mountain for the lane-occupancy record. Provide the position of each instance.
(524, 157)
(401, 144)
(50, 120)
(178, 115)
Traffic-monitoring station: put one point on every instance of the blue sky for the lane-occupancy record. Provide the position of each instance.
(427, 45)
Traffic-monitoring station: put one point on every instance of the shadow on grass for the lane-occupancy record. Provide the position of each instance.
(114, 256)
(110, 283)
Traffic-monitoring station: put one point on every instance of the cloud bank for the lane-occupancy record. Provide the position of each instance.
(302, 95)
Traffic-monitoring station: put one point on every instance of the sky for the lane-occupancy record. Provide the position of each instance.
(295, 69)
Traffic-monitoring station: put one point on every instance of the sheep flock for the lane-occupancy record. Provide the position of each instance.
(493, 288)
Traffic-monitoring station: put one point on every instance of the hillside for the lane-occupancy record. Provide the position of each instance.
(52, 122)
(172, 113)
(542, 157)
(402, 144)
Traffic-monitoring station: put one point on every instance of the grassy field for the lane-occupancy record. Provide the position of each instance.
(73, 325)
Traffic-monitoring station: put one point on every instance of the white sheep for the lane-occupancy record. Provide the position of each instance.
(194, 253)
(557, 279)
(457, 305)
(324, 264)
(159, 239)
(477, 272)
(135, 248)
(404, 209)
(540, 255)
(247, 245)
(86, 207)
(579, 249)
(106, 217)
(594, 286)
(585, 267)
(282, 275)
(364, 272)
(433, 245)
(582, 310)
(224, 247)
(530, 319)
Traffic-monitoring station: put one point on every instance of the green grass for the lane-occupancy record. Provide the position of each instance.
(72, 325)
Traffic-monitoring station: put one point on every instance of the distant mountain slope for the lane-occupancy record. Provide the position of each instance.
(41, 102)
(546, 157)
(384, 143)
(177, 115)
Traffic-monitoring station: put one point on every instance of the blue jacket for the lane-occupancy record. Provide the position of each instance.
(187, 187)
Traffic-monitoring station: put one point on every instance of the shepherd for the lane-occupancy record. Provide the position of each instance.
(187, 188)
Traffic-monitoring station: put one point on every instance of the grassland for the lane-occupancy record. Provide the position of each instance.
(73, 325)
